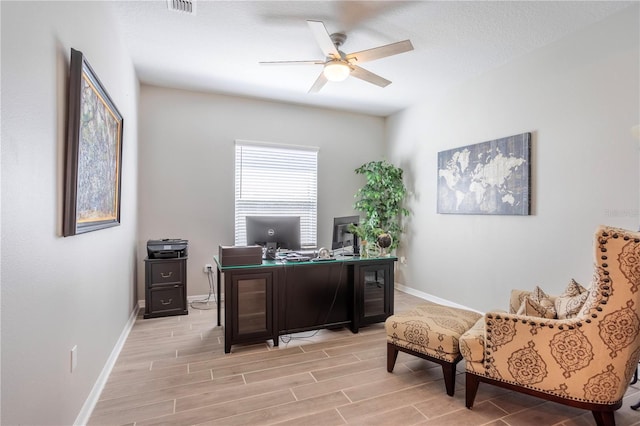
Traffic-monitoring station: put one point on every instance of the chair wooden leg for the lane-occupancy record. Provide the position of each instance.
(449, 373)
(471, 388)
(392, 355)
(604, 418)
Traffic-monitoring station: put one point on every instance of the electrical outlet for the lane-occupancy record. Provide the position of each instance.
(403, 260)
(208, 268)
(74, 357)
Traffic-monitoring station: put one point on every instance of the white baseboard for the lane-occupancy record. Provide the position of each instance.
(94, 395)
(432, 298)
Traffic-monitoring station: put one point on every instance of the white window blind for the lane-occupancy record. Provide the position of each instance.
(276, 180)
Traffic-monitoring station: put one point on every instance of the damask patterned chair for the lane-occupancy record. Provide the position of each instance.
(586, 361)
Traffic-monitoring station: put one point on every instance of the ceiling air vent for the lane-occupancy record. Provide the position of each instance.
(183, 6)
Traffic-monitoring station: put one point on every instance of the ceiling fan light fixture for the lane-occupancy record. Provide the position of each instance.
(336, 71)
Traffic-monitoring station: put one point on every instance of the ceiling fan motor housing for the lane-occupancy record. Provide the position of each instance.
(338, 39)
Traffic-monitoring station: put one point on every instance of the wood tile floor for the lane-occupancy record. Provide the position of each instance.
(173, 371)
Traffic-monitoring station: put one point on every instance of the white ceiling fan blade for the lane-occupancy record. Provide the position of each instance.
(319, 84)
(368, 76)
(381, 52)
(318, 62)
(324, 39)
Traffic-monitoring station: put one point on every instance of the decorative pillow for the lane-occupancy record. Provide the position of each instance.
(515, 301)
(569, 303)
(537, 304)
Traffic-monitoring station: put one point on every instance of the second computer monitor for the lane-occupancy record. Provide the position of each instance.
(281, 231)
(342, 237)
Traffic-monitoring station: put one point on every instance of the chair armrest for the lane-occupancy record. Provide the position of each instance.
(472, 342)
(561, 357)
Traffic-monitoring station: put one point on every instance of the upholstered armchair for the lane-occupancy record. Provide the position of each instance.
(585, 360)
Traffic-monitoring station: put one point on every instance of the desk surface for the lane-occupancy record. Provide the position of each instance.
(284, 262)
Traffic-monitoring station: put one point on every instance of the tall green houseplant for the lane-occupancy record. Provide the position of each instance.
(381, 200)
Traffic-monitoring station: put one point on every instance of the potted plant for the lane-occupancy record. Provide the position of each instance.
(381, 200)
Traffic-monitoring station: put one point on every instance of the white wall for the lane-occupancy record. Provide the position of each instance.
(186, 172)
(58, 292)
(579, 97)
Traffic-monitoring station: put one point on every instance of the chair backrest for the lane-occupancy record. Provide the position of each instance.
(612, 312)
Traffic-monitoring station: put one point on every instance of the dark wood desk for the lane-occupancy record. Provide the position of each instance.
(265, 301)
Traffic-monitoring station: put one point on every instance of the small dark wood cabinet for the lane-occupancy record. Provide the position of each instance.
(165, 287)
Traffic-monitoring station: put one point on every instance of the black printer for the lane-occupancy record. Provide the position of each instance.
(167, 248)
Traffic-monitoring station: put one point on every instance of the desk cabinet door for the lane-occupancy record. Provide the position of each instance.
(374, 293)
(253, 306)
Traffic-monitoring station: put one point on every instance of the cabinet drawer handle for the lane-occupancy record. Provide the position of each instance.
(166, 275)
(166, 303)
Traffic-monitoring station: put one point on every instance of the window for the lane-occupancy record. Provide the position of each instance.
(276, 180)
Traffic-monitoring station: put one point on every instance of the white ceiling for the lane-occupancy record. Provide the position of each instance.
(218, 48)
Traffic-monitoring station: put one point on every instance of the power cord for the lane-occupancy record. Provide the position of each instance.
(212, 292)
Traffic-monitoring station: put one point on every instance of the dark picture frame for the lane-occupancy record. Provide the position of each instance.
(487, 178)
(93, 163)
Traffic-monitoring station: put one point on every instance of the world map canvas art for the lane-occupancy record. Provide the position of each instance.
(491, 177)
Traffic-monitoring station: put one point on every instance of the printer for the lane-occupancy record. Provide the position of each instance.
(167, 248)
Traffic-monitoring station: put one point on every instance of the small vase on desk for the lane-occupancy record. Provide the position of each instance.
(373, 250)
(364, 246)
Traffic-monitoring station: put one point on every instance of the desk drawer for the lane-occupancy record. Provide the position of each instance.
(164, 273)
(167, 299)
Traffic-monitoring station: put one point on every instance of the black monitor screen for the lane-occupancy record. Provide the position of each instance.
(341, 236)
(283, 231)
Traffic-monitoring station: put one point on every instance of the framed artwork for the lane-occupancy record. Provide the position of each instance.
(491, 177)
(93, 166)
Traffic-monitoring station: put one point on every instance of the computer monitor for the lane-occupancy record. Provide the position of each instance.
(342, 237)
(281, 232)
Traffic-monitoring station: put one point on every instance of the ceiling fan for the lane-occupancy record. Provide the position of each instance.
(338, 65)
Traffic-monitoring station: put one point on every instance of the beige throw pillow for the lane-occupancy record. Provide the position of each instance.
(537, 304)
(569, 303)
